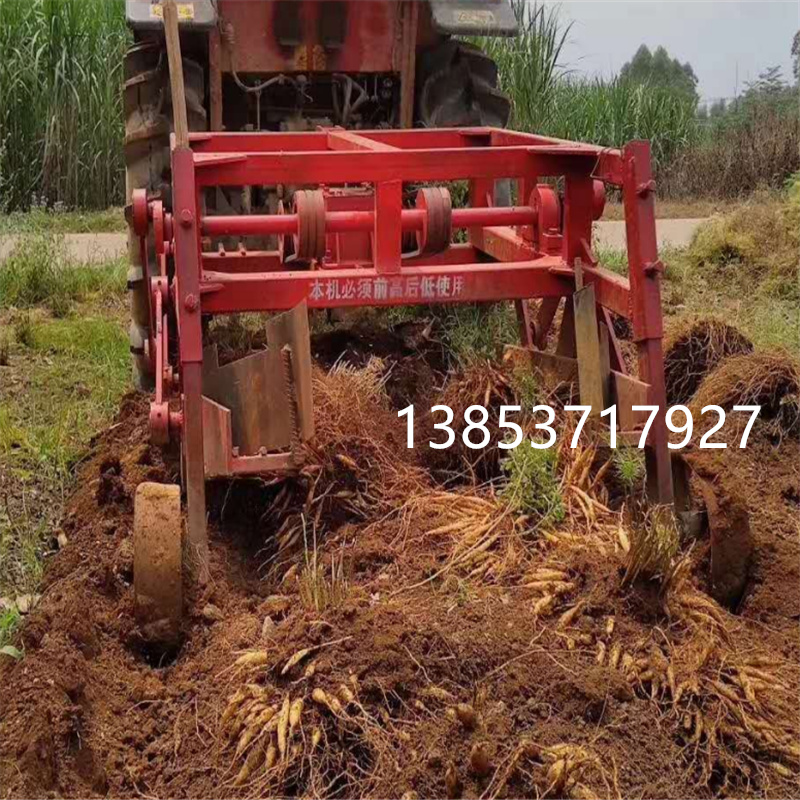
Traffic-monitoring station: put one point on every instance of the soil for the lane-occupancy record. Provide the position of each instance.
(445, 660)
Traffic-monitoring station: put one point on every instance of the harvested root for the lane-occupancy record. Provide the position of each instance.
(265, 732)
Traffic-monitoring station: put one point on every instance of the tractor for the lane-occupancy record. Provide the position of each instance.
(293, 155)
(295, 65)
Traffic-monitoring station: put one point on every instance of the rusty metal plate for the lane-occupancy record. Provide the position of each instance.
(252, 388)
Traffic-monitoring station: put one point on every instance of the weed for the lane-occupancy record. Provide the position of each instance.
(655, 540)
(9, 622)
(526, 389)
(532, 484)
(23, 537)
(76, 370)
(614, 260)
(478, 333)
(760, 240)
(320, 589)
(630, 468)
(53, 221)
(23, 329)
(38, 271)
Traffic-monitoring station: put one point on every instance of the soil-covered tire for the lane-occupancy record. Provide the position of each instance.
(456, 86)
(147, 105)
(157, 562)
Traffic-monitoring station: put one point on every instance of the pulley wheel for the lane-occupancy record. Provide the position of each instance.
(309, 242)
(437, 228)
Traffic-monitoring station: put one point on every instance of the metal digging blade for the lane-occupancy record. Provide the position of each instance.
(268, 393)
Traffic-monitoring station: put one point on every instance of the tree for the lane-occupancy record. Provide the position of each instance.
(769, 83)
(660, 69)
(770, 92)
(796, 56)
(718, 108)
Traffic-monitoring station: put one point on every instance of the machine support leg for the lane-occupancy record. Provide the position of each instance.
(657, 455)
(544, 320)
(525, 323)
(644, 270)
(194, 472)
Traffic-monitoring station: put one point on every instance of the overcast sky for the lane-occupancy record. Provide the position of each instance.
(715, 36)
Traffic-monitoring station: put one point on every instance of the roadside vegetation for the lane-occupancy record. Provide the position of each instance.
(56, 221)
(64, 365)
(742, 267)
(727, 151)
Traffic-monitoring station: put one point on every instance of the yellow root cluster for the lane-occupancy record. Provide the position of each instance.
(275, 736)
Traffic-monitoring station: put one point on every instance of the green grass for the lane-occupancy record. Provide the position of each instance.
(614, 260)
(714, 278)
(532, 484)
(67, 367)
(743, 266)
(9, 622)
(39, 271)
(526, 388)
(58, 392)
(477, 333)
(43, 220)
(630, 467)
(75, 371)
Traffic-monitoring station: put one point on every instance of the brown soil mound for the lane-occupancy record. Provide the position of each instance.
(694, 350)
(433, 644)
(768, 380)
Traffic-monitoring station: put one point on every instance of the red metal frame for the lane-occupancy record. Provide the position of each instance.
(529, 251)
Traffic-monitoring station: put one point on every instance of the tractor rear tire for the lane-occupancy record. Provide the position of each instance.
(457, 87)
(147, 105)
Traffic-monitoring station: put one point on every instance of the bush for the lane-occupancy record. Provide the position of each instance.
(737, 156)
(476, 333)
(756, 245)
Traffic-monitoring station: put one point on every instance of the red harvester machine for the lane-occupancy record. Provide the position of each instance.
(341, 245)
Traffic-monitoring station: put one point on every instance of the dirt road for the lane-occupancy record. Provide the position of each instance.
(83, 247)
(671, 233)
(99, 247)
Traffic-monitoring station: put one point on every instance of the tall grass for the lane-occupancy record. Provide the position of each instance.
(39, 272)
(735, 156)
(549, 100)
(614, 112)
(529, 65)
(691, 158)
(61, 127)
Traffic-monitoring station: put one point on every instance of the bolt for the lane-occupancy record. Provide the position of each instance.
(190, 303)
(643, 189)
(653, 268)
(187, 218)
